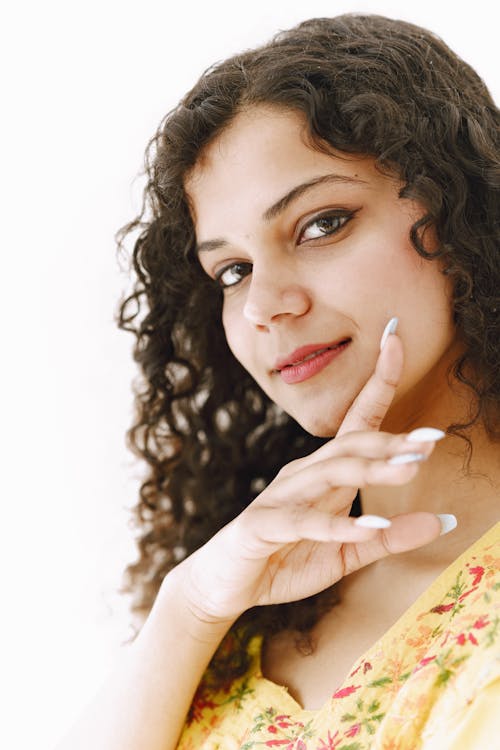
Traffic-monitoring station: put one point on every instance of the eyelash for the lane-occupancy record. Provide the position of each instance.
(347, 215)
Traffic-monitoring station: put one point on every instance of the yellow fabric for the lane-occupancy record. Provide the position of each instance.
(432, 682)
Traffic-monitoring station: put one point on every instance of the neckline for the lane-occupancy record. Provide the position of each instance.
(482, 541)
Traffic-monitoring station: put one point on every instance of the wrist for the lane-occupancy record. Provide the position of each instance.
(190, 616)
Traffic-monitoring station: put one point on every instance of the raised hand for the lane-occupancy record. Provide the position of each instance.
(296, 538)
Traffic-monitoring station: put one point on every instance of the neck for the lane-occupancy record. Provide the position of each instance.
(446, 483)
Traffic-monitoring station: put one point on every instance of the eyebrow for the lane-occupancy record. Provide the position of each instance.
(277, 208)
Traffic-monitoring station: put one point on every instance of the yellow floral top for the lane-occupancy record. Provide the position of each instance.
(432, 682)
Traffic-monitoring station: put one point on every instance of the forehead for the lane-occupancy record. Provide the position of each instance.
(261, 146)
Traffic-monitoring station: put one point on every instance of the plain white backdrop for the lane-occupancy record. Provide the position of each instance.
(85, 85)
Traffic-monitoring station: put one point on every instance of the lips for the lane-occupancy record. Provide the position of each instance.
(305, 352)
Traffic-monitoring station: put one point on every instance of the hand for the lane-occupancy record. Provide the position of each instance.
(296, 538)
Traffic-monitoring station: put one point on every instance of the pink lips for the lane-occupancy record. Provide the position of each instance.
(297, 368)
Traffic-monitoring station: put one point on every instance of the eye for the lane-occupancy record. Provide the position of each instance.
(233, 274)
(325, 225)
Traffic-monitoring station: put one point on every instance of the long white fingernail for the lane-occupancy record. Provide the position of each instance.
(448, 522)
(406, 458)
(372, 522)
(390, 328)
(425, 434)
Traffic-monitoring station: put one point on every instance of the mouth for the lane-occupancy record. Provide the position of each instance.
(306, 353)
(311, 362)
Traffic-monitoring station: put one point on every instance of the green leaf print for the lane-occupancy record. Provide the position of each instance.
(447, 669)
(239, 695)
(380, 682)
(347, 717)
(458, 587)
(438, 630)
(492, 633)
(308, 730)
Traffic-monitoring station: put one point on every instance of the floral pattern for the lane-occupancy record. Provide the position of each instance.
(430, 682)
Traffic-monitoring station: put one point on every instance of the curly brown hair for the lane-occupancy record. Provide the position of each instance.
(211, 438)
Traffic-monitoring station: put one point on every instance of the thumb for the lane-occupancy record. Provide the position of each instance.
(372, 403)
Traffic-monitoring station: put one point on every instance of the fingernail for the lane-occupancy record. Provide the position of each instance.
(425, 434)
(406, 458)
(372, 522)
(448, 522)
(390, 328)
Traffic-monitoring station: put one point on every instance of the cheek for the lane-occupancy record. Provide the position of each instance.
(376, 277)
(236, 337)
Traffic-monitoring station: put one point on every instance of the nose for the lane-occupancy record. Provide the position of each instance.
(272, 297)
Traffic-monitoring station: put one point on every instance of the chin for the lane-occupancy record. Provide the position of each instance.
(318, 426)
(319, 417)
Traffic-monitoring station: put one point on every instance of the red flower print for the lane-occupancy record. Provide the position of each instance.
(367, 666)
(353, 731)
(272, 729)
(427, 660)
(332, 742)
(276, 743)
(442, 608)
(445, 639)
(461, 598)
(478, 573)
(346, 691)
(481, 622)
(284, 724)
(462, 639)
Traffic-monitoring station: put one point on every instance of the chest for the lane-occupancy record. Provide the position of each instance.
(366, 612)
(312, 678)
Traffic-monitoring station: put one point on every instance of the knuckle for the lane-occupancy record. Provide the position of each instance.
(290, 468)
(366, 465)
(389, 380)
(372, 471)
(372, 418)
(248, 519)
(369, 474)
(297, 513)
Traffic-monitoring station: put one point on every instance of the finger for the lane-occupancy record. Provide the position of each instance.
(330, 475)
(372, 403)
(365, 444)
(406, 532)
(260, 531)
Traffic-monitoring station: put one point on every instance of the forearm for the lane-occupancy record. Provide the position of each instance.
(144, 702)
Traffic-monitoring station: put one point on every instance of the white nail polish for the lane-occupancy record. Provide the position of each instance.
(448, 522)
(406, 458)
(372, 522)
(390, 328)
(425, 434)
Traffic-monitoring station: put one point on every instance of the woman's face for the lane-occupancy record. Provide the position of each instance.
(312, 250)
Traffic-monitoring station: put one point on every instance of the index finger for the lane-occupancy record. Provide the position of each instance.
(372, 403)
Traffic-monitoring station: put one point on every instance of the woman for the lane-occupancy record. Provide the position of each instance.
(319, 263)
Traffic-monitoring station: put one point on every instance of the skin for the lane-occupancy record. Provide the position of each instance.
(297, 286)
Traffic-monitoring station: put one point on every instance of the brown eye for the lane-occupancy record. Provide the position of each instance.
(325, 225)
(233, 274)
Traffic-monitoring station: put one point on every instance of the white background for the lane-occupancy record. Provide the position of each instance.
(84, 86)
